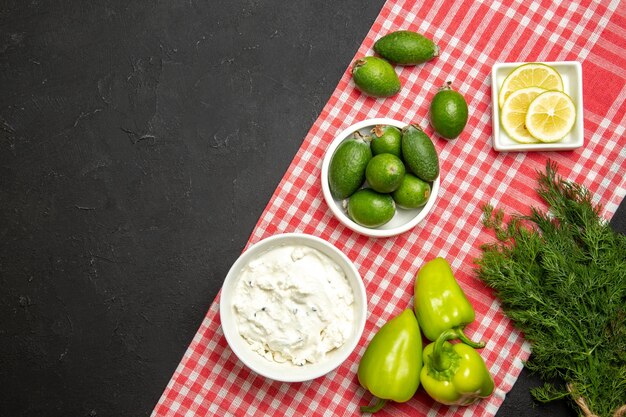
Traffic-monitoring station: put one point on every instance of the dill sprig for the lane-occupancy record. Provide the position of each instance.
(561, 278)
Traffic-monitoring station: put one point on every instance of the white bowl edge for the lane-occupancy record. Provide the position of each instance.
(335, 205)
(288, 372)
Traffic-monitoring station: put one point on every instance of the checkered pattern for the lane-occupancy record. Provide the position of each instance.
(473, 36)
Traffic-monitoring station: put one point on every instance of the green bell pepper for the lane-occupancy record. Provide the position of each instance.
(455, 374)
(440, 303)
(391, 365)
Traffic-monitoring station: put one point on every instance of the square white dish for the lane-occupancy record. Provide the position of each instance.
(571, 73)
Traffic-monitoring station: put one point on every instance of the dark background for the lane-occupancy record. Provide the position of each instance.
(139, 144)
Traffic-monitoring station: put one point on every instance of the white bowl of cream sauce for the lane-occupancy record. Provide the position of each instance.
(293, 307)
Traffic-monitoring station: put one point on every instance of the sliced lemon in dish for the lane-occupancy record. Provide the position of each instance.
(530, 75)
(513, 114)
(551, 116)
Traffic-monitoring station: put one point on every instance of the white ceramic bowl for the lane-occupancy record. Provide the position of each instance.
(404, 219)
(571, 73)
(288, 372)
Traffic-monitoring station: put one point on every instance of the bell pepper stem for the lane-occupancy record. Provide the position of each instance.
(441, 361)
(459, 334)
(380, 403)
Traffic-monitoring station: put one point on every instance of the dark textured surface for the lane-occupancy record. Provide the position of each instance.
(139, 144)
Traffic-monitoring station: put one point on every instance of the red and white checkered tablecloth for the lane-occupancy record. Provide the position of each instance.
(473, 36)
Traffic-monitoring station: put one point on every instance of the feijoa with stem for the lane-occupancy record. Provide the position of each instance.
(386, 139)
(375, 77)
(448, 112)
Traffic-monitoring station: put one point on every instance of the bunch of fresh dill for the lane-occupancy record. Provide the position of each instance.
(561, 278)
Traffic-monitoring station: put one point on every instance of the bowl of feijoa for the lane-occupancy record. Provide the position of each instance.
(380, 177)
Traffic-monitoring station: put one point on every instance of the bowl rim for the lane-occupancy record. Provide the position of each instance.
(340, 214)
(281, 372)
(497, 143)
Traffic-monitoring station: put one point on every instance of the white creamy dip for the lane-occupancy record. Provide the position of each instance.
(293, 303)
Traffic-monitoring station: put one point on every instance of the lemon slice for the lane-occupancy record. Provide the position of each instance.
(551, 116)
(513, 114)
(530, 75)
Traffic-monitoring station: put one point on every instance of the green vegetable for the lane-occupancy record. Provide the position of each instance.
(346, 171)
(386, 139)
(419, 153)
(375, 77)
(405, 47)
(370, 208)
(384, 172)
(440, 303)
(448, 112)
(391, 365)
(561, 278)
(455, 374)
(412, 192)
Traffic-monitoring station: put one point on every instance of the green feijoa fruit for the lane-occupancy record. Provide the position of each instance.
(384, 172)
(386, 139)
(375, 77)
(405, 47)
(346, 172)
(419, 153)
(370, 208)
(412, 192)
(448, 112)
